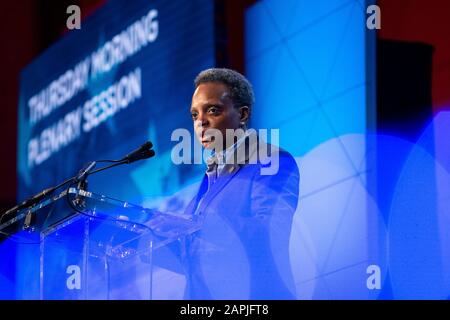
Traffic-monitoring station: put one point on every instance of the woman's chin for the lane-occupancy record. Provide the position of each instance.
(208, 144)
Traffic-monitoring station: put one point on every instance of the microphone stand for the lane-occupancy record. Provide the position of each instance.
(143, 152)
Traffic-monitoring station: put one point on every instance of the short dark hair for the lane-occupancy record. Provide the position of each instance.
(241, 90)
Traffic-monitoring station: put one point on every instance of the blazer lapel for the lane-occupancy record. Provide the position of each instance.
(218, 185)
(190, 209)
(250, 148)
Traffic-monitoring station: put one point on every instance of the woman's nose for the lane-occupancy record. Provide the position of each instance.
(201, 121)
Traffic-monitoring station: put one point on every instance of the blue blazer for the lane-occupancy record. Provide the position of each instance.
(242, 249)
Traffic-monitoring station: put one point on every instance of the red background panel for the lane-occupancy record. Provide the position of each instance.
(423, 21)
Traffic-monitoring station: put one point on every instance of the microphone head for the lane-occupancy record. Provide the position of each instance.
(139, 153)
(147, 145)
(143, 154)
(147, 154)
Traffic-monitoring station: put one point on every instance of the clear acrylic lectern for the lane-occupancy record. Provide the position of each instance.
(94, 247)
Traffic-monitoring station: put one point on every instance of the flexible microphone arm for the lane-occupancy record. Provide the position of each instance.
(143, 152)
(143, 155)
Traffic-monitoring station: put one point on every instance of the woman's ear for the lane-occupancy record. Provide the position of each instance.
(244, 114)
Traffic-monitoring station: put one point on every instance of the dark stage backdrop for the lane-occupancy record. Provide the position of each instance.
(100, 92)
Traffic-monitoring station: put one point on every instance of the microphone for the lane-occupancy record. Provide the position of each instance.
(144, 155)
(143, 152)
(31, 201)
